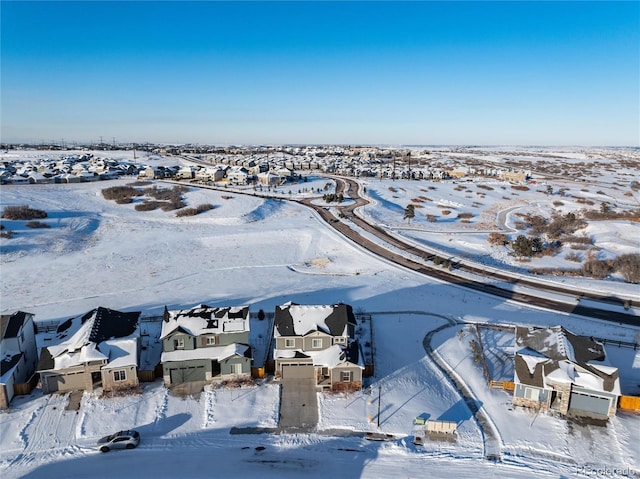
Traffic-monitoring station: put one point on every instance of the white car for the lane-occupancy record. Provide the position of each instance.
(119, 440)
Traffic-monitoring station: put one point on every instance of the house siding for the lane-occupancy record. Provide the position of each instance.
(227, 366)
(168, 342)
(110, 384)
(280, 342)
(307, 341)
(519, 398)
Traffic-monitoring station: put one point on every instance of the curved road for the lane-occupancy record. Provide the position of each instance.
(428, 268)
(350, 186)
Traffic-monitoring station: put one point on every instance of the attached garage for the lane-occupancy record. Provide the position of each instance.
(298, 371)
(187, 374)
(65, 382)
(581, 403)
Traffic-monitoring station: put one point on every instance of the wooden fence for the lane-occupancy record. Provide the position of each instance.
(22, 389)
(506, 385)
(629, 403)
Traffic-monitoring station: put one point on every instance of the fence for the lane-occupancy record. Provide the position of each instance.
(629, 403)
(441, 427)
(22, 389)
(506, 385)
(46, 326)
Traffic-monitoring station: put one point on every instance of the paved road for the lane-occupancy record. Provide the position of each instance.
(428, 268)
(298, 404)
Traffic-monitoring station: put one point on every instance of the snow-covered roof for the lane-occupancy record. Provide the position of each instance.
(298, 320)
(87, 353)
(218, 353)
(555, 355)
(204, 319)
(120, 352)
(330, 357)
(96, 326)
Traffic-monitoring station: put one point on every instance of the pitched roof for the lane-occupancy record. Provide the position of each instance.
(10, 324)
(8, 363)
(297, 320)
(218, 353)
(554, 353)
(205, 319)
(559, 343)
(96, 326)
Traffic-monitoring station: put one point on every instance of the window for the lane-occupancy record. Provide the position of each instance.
(316, 343)
(345, 376)
(339, 340)
(119, 375)
(178, 343)
(533, 394)
(236, 368)
(289, 343)
(213, 340)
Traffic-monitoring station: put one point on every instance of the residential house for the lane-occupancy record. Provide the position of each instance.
(98, 349)
(318, 342)
(560, 371)
(18, 354)
(270, 179)
(205, 344)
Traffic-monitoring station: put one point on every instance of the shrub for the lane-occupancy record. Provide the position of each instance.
(121, 193)
(431, 218)
(37, 224)
(194, 211)
(519, 187)
(465, 216)
(204, 207)
(446, 212)
(23, 212)
(576, 239)
(558, 203)
(7, 234)
(187, 212)
(485, 187)
(629, 266)
(149, 205)
(573, 256)
(597, 268)
(499, 239)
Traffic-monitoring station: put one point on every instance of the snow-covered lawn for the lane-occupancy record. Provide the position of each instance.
(264, 253)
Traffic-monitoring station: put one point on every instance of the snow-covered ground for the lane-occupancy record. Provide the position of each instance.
(264, 253)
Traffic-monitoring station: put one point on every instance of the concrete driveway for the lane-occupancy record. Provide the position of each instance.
(298, 404)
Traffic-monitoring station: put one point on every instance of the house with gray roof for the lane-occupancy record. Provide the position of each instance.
(205, 344)
(18, 353)
(318, 341)
(97, 349)
(560, 371)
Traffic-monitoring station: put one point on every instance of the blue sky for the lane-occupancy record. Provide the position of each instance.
(525, 73)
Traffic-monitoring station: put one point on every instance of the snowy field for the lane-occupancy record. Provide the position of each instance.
(264, 253)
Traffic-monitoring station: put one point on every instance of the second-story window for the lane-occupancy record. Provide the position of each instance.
(316, 343)
(289, 343)
(178, 343)
(212, 340)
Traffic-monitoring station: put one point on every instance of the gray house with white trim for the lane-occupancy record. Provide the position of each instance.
(318, 341)
(205, 344)
(560, 371)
